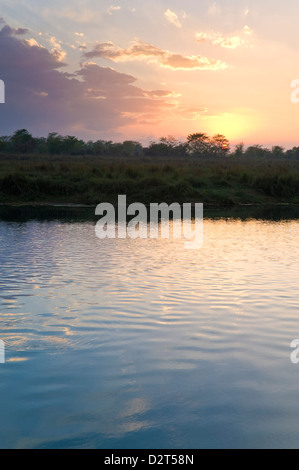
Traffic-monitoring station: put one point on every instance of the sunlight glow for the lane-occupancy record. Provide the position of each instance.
(233, 126)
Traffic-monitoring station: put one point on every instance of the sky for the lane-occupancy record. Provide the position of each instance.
(140, 70)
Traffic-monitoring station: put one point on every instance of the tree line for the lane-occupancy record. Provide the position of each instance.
(197, 145)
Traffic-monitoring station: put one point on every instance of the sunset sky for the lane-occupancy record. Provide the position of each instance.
(140, 70)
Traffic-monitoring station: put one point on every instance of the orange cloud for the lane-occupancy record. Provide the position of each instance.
(229, 42)
(57, 49)
(32, 42)
(148, 52)
(192, 113)
(172, 18)
(176, 61)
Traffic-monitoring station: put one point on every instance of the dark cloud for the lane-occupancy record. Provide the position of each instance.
(42, 97)
(8, 31)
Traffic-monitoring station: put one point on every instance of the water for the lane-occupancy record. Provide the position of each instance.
(144, 344)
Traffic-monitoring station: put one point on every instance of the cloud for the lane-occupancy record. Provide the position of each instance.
(57, 49)
(8, 31)
(32, 42)
(42, 97)
(139, 50)
(192, 113)
(113, 9)
(176, 61)
(172, 18)
(247, 30)
(228, 42)
(231, 42)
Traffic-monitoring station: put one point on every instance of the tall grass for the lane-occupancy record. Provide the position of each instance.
(90, 180)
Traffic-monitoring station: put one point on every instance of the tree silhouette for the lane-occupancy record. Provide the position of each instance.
(22, 142)
(199, 144)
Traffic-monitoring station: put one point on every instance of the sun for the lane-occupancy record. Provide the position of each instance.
(233, 125)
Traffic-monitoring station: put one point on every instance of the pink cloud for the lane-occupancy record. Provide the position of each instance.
(91, 102)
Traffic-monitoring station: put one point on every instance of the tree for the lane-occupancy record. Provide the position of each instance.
(170, 141)
(72, 145)
(220, 145)
(239, 150)
(130, 148)
(55, 143)
(257, 151)
(159, 149)
(41, 144)
(199, 144)
(4, 143)
(277, 151)
(22, 141)
(98, 147)
(292, 153)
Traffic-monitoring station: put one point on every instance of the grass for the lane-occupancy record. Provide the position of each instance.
(91, 180)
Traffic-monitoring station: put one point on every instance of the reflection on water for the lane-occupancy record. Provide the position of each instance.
(142, 343)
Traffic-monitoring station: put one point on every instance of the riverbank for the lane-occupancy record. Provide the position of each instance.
(89, 180)
(73, 213)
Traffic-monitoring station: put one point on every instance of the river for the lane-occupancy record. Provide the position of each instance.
(123, 343)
